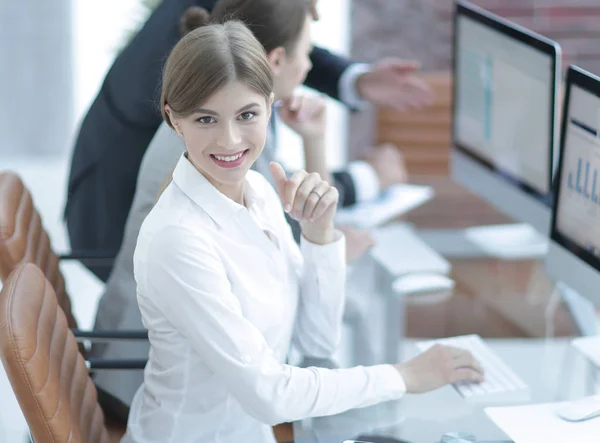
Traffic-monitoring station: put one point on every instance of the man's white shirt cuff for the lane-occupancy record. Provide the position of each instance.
(347, 86)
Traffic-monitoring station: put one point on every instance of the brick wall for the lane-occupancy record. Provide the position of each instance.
(422, 30)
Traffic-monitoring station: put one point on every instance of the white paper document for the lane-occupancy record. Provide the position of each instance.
(509, 242)
(395, 201)
(540, 424)
(400, 250)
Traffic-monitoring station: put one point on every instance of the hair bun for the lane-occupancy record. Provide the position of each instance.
(193, 18)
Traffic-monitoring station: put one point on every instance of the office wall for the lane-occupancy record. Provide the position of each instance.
(421, 29)
(100, 30)
(36, 81)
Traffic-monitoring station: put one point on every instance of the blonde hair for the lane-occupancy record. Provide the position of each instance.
(208, 58)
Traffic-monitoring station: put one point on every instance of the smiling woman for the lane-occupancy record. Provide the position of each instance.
(222, 286)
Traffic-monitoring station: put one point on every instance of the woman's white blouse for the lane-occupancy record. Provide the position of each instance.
(223, 290)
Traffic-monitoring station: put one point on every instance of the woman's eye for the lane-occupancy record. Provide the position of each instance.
(248, 115)
(205, 120)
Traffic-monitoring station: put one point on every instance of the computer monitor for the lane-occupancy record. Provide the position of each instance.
(574, 251)
(504, 117)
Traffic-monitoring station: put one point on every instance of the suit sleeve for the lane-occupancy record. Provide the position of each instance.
(346, 187)
(326, 72)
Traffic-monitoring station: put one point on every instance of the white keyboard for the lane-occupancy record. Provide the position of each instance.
(501, 383)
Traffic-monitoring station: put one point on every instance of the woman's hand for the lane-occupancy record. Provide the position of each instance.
(310, 200)
(437, 367)
(305, 115)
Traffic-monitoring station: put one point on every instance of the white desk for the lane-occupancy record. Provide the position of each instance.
(426, 417)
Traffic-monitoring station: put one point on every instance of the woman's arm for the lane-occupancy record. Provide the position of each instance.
(186, 280)
(322, 273)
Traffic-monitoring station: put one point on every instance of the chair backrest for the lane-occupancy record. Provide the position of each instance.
(41, 358)
(423, 135)
(24, 240)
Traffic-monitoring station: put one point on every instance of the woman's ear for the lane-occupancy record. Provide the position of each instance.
(277, 59)
(173, 120)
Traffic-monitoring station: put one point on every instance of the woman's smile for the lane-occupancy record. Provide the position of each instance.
(229, 161)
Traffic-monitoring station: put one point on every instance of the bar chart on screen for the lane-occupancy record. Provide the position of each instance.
(584, 181)
(579, 204)
(583, 169)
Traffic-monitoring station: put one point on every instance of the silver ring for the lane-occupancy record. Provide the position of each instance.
(320, 196)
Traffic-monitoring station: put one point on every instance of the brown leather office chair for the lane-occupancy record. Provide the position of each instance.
(44, 366)
(24, 240)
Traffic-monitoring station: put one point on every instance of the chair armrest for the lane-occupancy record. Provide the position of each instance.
(110, 335)
(115, 364)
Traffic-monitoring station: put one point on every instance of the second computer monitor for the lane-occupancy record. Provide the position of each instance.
(504, 116)
(574, 254)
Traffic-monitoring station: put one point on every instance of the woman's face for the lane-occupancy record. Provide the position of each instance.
(226, 134)
(292, 68)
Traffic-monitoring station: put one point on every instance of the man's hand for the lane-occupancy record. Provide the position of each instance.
(388, 163)
(307, 116)
(357, 243)
(392, 83)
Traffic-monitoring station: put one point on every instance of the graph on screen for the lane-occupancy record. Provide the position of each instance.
(584, 183)
(503, 104)
(579, 207)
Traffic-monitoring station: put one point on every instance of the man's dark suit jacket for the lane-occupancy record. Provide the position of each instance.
(122, 120)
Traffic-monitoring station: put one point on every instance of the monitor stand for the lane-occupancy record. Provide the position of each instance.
(587, 321)
(509, 242)
(582, 310)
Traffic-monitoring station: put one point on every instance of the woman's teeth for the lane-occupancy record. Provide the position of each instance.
(228, 159)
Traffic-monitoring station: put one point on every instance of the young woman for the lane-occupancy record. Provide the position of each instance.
(284, 33)
(223, 287)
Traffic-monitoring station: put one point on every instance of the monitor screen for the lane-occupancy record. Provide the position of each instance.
(578, 202)
(504, 101)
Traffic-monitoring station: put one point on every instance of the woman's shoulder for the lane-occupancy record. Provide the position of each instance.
(174, 220)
